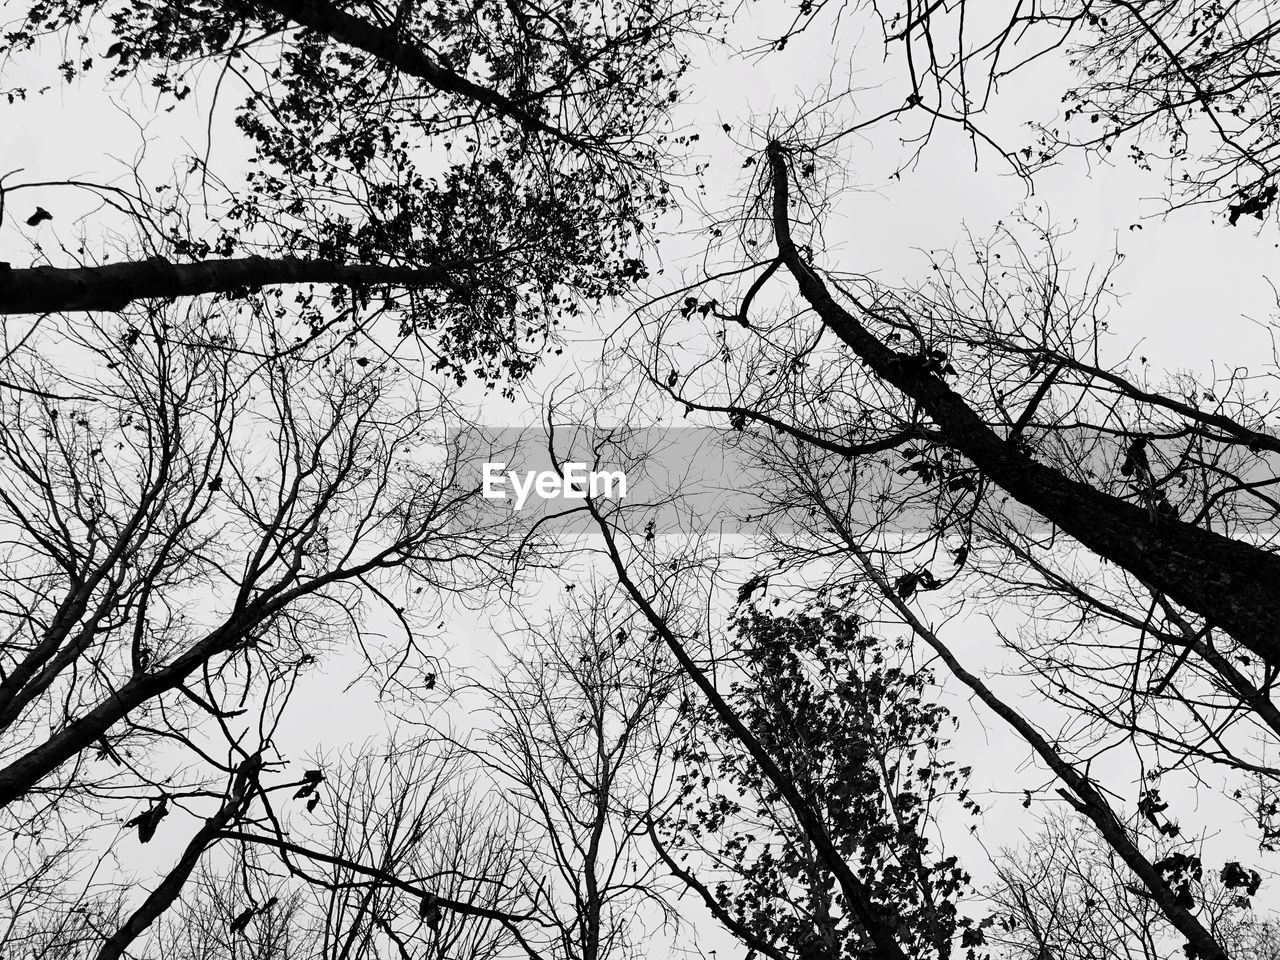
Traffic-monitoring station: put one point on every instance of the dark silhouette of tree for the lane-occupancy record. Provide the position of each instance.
(1176, 85)
(402, 854)
(848, 720)
(1180, 84)
(480, 172)
(239, 796)
(966, 435)
(115, 286)
(209, 481)
(398, 827)
(195, 521)
(125, 505)
(651, 590)
(930, 518)
(209, 489)
(1223, 579)
(199, 926)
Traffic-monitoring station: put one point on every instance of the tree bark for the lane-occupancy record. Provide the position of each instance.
(114, 286)
(1232, 584)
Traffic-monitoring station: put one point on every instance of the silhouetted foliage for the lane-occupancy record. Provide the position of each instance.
(530, 187)
(850, 722)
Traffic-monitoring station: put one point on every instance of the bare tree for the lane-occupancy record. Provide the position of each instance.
(194, 521)
(388, 851)
(231, 913)
(128, 502)
(1064, 896)
(393, 851)
(1179, 87)
(576, 748)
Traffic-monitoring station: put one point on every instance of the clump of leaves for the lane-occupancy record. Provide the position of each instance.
(527, 171)
(845, 716)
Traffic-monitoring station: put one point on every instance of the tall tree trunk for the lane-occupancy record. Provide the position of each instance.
(1232, 584)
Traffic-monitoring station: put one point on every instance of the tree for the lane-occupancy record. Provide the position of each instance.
(391, 851)
(196, 520)
(1064, 895)
(575, 748)
(480, 171)
(1182, 81)
(208, 492)
(987, 387)
(125, 506)
(657, 597)
(1179, 87)
(939, 498)
(1222, 579)
(209, 483)
(199, 927)
(848, 720)
(396, 851)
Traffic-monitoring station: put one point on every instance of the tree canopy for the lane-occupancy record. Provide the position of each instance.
(980, 660)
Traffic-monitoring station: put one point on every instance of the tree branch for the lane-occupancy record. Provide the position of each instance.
(410, 59)
(114, 286)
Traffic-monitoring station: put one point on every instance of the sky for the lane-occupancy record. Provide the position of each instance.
(1191, 294)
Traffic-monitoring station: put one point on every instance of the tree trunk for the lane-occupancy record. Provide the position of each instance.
(1232, 584)
(114, 286)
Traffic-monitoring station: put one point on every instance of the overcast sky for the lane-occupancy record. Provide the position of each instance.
(1192, 291)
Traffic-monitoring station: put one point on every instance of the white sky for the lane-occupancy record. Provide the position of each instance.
(1191, 288)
